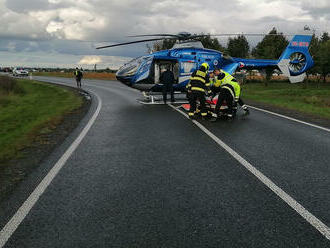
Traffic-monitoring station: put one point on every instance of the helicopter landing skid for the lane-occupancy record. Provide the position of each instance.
(160, 102)
(157, 99)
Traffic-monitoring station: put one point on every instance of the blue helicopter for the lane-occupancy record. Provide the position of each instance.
(188, 54)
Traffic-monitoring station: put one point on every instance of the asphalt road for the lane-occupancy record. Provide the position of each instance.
(146, 176)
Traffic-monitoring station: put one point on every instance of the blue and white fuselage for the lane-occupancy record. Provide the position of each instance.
(143, 73)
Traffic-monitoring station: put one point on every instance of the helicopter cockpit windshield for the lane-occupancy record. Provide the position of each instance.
(130, 68)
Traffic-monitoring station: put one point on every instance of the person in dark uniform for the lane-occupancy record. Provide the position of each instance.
(197, 89)
(167, 79)
(78, 74)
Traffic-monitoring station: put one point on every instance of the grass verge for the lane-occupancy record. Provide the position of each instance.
(31, 108)
(310, 99)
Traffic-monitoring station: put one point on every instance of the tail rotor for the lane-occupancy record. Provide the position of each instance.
(297, 62)
(296, 59)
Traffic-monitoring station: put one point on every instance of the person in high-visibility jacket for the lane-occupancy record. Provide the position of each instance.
(217, 86)
(212, 78)
(78, 74)
(197, 88)
(215, 83)
(229, 90)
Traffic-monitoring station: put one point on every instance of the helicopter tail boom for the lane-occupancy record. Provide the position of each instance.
(293, 63)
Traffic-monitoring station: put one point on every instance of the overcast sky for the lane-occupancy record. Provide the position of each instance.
(66, 32)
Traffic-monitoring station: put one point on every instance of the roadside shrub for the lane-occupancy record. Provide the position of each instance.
(9, 85)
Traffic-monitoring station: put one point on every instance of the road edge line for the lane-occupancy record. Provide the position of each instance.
(11, 226)
(290, 118)
(309, 217)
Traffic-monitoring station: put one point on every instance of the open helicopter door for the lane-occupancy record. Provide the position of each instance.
(161, 65)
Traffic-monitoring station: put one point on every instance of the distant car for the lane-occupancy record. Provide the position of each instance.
(6, 69)
(20, 72)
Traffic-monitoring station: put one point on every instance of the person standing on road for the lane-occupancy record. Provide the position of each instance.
(78, 74)
(167, 79)
(197, 88)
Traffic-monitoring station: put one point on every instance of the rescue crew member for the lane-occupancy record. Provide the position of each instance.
(229, 90)
(197, 88)
(217, 86)
(167, 79)
(78, 74)
(216, 83)
(212, 78)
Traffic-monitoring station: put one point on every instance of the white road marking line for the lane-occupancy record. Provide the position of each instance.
(290, 118)
(160, 102)
(23, 211)
(309, 217)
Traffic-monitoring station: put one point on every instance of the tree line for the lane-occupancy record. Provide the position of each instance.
(270, 47)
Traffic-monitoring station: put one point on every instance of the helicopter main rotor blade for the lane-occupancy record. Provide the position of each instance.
(233, 34)
(146, 35)
(198, 36)
(127, 43)
(203, 35)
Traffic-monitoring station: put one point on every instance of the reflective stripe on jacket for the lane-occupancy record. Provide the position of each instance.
(227, 81)
(199, 81)
(234, 88)
(197, 89)
(225, 78)
(198, 76)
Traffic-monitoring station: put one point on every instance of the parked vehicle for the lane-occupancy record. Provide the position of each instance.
(20, 72)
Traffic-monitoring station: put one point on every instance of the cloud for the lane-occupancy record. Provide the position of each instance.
(76, 27)
(317, 9)
(90, 60)
(46, 59)
(25, 6)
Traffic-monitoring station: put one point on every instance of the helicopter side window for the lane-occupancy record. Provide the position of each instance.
(188, 67)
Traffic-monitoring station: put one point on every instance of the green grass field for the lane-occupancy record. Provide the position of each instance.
(311, 99)
(28, 109)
